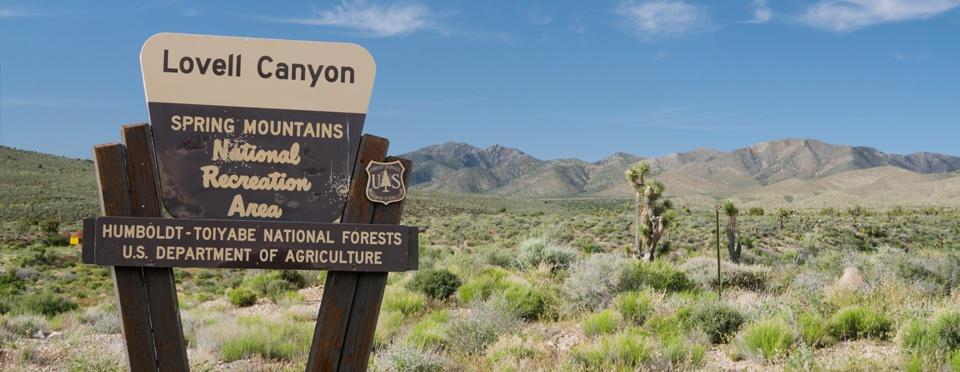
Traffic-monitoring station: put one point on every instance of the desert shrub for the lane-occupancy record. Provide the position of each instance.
(657, 275)
(430, 331)
(635, 306)
(766, 340)
(480, 288)
(601, 323)
(435, 283)
(718, 321)
(241, 297)
(275, 284)
(403, 358)
(916, 337)
(388, 326)
(940, 273)
(102, 320)
(255, 336)
(527, 302)
(854, 322)
(703, 271)
(946, 327)
(407, 303)
(295, 278)
(755, 211)
(682, 355)
(472, 332)
(24, 325)
(535, 251)
(593, 281)
(813, 330)
(45, 303)
(625, 350)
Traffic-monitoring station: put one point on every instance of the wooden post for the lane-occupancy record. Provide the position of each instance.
(369, 295)
(127, 183)
(719, 281)
(351, 301)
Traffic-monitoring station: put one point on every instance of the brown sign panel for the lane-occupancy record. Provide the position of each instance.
(385, 182)
(160, 242)
(259, 129)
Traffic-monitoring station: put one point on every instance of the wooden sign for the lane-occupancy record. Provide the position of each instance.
(164, 242)
(249, 128)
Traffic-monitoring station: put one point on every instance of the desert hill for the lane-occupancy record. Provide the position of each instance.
(764, 172)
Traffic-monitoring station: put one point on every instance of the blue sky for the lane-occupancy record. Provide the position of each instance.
(554, 78)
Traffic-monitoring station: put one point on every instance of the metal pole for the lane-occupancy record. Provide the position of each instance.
(719, 281)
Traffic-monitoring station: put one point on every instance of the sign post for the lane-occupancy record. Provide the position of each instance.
(256, 149)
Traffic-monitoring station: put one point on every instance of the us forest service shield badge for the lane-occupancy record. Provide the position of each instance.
(385, 182)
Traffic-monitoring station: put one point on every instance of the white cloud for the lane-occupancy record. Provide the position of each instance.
(14, 13)
(850, 15)
(377, 20)
(761, 12)
(663, 18)
(539, 17)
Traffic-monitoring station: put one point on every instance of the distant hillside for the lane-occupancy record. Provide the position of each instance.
(793, 172)
(699, 176)
(40, 186)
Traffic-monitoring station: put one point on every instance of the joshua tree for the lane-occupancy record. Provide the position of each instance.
(733, 241)
(653, 215)
(782, 215)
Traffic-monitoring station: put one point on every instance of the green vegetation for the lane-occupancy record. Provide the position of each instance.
(766, 340)
(718, 321)
(435, 283)
(241, 297)
(601, 323)
(635, 306)
(547, 285)
(859, 322)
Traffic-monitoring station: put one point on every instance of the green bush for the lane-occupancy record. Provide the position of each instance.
(435, 283)
(24, 326)
(407, 303)
(854, 322)
(430, 331)
(682, 355)
(946, 327)
(527, 302)
(282, 340)
(635, 306)
(916, 337)
(718, 321)
(241, 297)
(621, 351)
(813, 330)
(478, 289)
(536, 251)
(46, 303)
(766, 340)
(658, 275)
(593, 281)
(401, 357)
(473, 331)
(295, 278)
(604, 322)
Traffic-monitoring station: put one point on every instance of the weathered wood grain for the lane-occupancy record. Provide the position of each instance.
(127, 281)
(161, 291)
(340, 287)
(369, 295)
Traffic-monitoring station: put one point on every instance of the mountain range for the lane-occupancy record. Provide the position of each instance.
(802, 172)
